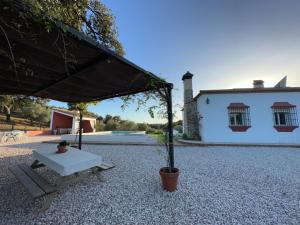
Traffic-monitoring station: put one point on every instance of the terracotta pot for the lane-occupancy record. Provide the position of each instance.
(169, 179)
(61, 149)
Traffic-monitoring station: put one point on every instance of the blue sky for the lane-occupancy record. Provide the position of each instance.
(225, 44)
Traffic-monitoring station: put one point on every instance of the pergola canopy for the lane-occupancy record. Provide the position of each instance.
(66, 65)
(63, 64)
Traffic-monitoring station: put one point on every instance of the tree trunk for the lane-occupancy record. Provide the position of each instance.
(8, 117)
(7, 114)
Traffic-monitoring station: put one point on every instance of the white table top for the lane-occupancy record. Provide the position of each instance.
(67, 163)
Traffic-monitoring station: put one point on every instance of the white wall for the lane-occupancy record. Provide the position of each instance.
(214, 126)
(75, 125)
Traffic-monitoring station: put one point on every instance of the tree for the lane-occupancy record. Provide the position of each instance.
(89, 16)
(107, 118)
(117, 119)
(78, 106)
(37, 112)
(7, 103)
(42, 115)
(127, 125)
(100, 24)
(142, 127)
(100, 126)
(111, 125)
(100, 118)
(82, 106)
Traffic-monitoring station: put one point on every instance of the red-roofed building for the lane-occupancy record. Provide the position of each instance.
(64, 121)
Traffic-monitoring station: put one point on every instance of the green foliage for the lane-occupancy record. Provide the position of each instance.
(89, 16)
(142, 127)
(100, 118)
(116, 118)
(111, 125)
(83, 106)
(35, 110)
(178, 128)
(107, 118)
(154, 131)
(163, 148)
(100, 126)
(100, 24)
(186, 137)
(7, 103)
(69, 12)
(63, 143)
(153, 101)
(178, 123)
(127, 125)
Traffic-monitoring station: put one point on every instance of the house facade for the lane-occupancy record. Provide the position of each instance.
(65, 121)
(247, 115)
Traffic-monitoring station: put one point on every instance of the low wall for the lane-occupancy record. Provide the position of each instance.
(38, 132)
(235, 144)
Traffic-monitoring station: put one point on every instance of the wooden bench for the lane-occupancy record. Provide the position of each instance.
(36, 185)
(106, 166)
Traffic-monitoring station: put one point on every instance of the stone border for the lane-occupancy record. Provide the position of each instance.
(204, 144)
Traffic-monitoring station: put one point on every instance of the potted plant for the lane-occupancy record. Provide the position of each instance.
(61, 147)
(169, 174)
(162, 92)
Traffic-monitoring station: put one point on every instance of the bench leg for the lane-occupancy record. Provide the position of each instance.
(47, 200)
(97, 171)
(36, 164)
(60, 183)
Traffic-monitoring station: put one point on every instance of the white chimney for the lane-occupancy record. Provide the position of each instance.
(258, 84)
(190, 114)
(188, 87)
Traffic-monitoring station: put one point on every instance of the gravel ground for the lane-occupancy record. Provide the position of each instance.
(218, 185)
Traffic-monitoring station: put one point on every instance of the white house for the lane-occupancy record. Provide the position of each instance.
(243, 115)
(65, 121)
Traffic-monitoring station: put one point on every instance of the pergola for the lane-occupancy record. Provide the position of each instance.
(65, 65)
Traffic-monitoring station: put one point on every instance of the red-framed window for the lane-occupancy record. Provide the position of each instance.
(285, 117)
(239, 117)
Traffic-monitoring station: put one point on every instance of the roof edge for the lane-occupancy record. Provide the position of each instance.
(247, 90)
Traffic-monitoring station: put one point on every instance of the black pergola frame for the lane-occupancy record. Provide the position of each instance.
(142, 79)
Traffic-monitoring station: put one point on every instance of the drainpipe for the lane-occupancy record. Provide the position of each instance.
(80, 130)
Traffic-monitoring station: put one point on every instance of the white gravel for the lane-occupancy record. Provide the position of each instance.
(218, 185)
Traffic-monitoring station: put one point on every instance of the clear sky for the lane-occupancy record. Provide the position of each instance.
(224, 43)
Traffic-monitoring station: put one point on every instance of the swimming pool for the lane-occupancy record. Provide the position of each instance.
(117, 132)
(112, 137)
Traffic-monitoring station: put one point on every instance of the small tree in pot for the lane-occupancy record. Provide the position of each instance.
(169, 174)
(61, 147)
(163, 94)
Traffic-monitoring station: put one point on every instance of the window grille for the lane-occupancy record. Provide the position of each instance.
(239, 116)
(286, 116)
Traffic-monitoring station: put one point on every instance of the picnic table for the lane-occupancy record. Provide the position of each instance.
(68, 163)
(70, 166)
